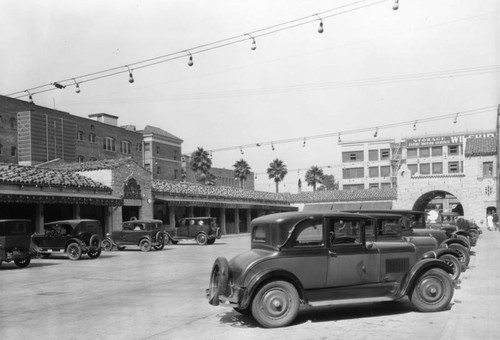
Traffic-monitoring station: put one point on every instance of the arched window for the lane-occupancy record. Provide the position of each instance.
(108, 144)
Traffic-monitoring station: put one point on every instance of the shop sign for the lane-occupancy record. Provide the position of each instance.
(444, 140)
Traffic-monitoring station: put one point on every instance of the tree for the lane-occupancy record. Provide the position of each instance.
(277, 171)
(241, 171)
(314, 176)
(201, 164)
(329, 183)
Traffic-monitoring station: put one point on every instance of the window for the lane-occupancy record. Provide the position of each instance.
(139, 147)
(453, 167)
(91, 127)
(385, 154)
(13, 123)
(453, 149)
(13, 151)
(175, 155)
(157, 150)
(147, 166)
(344, 232)
(437, 151)
(385, 171)
(373, 171)
(175, 173)
(487, 169)
(424, 152)
(412, 152)
(108, 144)
(1, 149)
(425, 169)
(437, 168)
(413, 168)
(125, 147)
(386, 185)
(80, 159)
(353, 173)
(352, 156)
(353, 187)
(309, 233)
(92, 138)
(259, 234)
(147, 147)
(158, 170)
(373, 186)
(373, 155)
(79, 135)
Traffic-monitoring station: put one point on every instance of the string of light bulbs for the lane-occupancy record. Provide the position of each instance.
(376, 129)
(131, 67)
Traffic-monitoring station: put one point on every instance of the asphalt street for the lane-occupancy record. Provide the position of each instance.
(161, 295)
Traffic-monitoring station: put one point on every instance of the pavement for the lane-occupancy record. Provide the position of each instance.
(161, 295)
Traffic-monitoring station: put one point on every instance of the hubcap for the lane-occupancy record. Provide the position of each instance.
(275, 303)
(431, 289)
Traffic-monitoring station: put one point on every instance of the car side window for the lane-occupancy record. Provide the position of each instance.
(342, 232)
(308, 233)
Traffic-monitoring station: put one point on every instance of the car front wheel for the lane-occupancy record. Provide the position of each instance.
(74, 251)
(454, 263)
(107, 245)
(276, 304)
(201, 239)
(22, 263)
(145, 245)
(433, 291)
(463, 253)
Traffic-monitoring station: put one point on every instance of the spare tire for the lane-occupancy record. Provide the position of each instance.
(218, 280)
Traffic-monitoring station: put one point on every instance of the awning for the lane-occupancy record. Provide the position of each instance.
(341, 206)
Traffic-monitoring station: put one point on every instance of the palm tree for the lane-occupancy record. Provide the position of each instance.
(201, 163)
(241, 171)
(314, 176)
(277, 171)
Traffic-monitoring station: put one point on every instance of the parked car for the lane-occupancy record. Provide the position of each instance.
(73, 237)
(388, 227)
(203, 229)
(413, 223)
(15, 239)
(145, 234)
(320, 258)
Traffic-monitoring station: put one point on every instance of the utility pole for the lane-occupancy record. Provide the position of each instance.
(498, 159)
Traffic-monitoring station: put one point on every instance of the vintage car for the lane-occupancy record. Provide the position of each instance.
(146, 234)
(73, 237)
(203, 229)
(15, 240)
(317, 258)
(413, 223)
(388, 227)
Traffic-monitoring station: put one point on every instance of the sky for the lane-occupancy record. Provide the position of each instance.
(371, 67)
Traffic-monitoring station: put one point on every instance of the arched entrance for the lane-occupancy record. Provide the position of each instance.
(440, 201)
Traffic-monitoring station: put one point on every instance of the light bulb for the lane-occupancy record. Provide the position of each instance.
(254, 45)
(190, 62)
(77, 90)
(130, 78)
(320, 28)
(395, 6)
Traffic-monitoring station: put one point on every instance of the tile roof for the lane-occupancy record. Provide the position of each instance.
(103, 164)
(481, 146)
(158, 131)
(344, 195)
(16, 174)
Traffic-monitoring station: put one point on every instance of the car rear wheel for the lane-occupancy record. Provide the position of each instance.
(454, 263)
(218, 280)
(145, 245)
(95, 242)
(201, 239)
(74, 251)
(107, 245)
(22, 263)
(433, 291)
(463, 253)
(276, 304)
(94, 254)
(160, 239)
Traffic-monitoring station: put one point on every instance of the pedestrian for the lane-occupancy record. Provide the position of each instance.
(489, 221)
(495, 220)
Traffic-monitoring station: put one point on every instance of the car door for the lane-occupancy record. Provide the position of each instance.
(182, 229)
(350, 262)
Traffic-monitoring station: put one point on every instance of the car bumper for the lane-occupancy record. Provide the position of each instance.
(229, 301)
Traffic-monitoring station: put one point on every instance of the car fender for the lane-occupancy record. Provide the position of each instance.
(275, 274)
(416, 271)
(145, 237)
(455, 240)
(443, 251)
(463, 233)
(73, 240)
(168, 236)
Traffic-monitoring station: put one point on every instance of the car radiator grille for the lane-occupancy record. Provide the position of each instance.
(397, 265)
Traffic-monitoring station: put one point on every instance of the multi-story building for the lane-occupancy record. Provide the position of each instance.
(32, 134)
(374, 164)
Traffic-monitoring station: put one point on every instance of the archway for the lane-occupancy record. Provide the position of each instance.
(439, 201)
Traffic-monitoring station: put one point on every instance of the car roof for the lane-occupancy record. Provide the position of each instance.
(381, 215)
(299, 215)
(71, 221)
(197, 218)
(14, 220)
(144, 221)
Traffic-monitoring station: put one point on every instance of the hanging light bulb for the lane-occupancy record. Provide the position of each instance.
(376, 132)
(395, 6)
(253, 47)
(30, 98)
(272, 146)
(320, 28)
(456, 119)
(339, 139)
(130, 76)
(304, 143)
(415, 126)
(241, 151)
(77, 86)
(190, 61)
